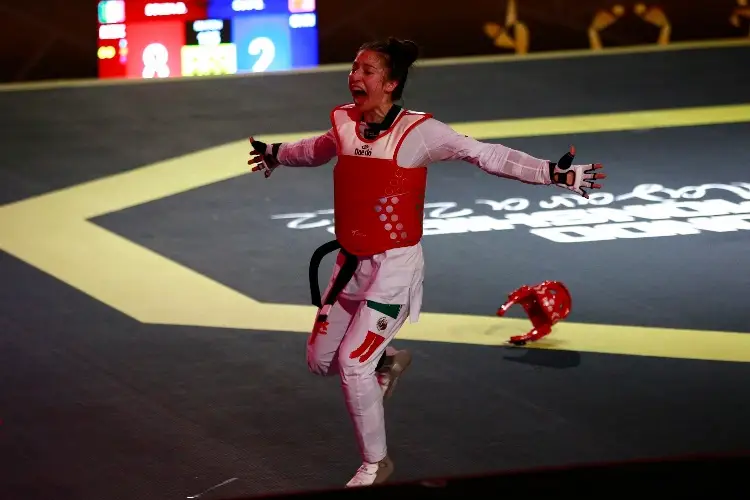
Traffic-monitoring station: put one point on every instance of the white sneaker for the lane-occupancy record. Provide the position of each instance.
(369, 473)
(387, 379)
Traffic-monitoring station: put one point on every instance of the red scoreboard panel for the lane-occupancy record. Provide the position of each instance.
(144, 38)
(154, 49)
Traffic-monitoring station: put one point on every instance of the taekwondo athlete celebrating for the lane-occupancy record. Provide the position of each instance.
(383, 151)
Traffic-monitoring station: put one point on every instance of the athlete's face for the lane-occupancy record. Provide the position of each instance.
(368, 81)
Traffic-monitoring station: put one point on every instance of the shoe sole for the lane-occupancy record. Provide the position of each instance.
(400, 366)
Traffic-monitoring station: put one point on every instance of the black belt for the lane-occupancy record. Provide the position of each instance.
(345, 274)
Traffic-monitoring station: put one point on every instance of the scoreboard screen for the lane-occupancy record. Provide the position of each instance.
(164, 39)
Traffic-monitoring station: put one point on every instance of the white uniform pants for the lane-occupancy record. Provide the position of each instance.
(356, 336)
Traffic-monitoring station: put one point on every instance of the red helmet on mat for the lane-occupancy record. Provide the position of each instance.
(545, 303)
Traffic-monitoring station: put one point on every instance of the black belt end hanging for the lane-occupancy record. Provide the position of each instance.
(342, 278)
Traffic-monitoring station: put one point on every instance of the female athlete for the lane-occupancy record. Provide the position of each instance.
(383, 151)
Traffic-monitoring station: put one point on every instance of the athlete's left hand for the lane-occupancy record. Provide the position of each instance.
(575, 177)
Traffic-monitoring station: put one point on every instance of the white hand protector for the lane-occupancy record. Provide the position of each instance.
(575, 177)
(263, 158)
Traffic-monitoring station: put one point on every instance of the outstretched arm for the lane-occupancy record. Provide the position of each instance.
(440, 142)
(443, 143)
(308, 152)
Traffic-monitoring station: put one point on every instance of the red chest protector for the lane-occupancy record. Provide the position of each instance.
(377, 204)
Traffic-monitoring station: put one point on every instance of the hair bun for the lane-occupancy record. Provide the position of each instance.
(410, 49)
(407, 50)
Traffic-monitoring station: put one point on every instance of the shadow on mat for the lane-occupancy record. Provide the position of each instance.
(543, 357)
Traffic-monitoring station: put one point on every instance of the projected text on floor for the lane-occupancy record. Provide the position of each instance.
(651, 210)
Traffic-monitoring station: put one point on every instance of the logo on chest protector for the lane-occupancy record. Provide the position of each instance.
(363, 151)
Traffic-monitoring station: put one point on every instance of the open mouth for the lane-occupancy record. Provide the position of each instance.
(358, 93)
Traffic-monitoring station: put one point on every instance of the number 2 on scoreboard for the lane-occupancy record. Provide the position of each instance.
(263, 43)
(264, 48)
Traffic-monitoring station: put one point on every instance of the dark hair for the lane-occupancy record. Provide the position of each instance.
(398, 56)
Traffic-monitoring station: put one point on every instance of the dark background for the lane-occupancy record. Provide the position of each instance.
(56, 39)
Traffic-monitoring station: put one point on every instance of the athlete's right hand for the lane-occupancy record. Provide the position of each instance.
(263, 157)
